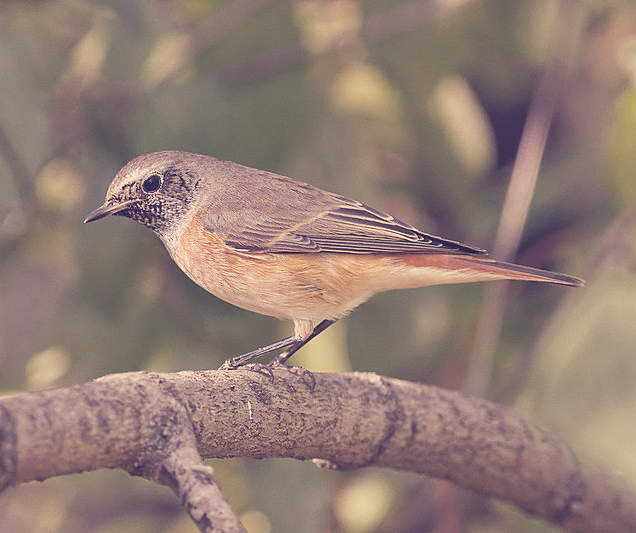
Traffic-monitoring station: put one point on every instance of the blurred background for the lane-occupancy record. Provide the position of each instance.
(415, 107)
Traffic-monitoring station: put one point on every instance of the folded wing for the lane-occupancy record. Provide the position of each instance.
(347, 226)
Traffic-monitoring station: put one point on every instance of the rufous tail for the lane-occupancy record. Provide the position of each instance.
(516, 272)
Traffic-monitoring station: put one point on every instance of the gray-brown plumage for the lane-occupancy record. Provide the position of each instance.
(284, 248)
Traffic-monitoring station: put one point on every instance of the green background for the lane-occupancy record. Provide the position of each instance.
(416, 108)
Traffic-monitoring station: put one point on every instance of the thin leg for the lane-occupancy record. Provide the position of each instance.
(235, 362)
(297, 345)
(293, 343)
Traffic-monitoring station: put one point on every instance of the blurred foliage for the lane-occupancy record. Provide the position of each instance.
(414, 107)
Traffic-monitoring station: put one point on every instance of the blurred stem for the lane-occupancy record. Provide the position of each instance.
(404, 17)
(611, 243)
(12, 222)
(567, 27)
(202, 38)
(23, 182)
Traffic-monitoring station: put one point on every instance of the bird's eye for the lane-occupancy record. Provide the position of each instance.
(151, 183)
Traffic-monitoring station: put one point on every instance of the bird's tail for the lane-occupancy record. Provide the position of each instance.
(436, 269)
(516, 272)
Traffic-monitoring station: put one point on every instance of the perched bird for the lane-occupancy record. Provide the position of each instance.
(284, 248)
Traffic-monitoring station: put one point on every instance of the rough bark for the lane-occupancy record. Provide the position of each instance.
(159, 426)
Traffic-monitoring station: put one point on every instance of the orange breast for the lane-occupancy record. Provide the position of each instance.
(310, 286)
(307, 286)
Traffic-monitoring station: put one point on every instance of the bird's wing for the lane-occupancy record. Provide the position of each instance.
(346, 226)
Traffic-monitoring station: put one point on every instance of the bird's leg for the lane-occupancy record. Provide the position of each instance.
(294, 345)
(235, 362)
(298, 344)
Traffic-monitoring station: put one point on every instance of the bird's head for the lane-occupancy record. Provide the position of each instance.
(156, 190)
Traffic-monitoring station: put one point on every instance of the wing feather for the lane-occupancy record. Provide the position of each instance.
(346, 226)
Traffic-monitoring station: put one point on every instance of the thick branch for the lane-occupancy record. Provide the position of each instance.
(148, 424)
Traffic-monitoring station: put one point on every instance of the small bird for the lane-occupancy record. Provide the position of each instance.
(283, 248)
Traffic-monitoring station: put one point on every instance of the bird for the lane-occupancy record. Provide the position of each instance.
(287, 249)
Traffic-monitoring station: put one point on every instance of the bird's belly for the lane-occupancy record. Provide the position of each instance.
(274, 285)
(308, 286)
(305, 286)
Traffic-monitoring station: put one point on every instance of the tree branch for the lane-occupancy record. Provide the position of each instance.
(158, 426)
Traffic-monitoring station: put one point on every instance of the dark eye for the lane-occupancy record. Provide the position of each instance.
(151, 183)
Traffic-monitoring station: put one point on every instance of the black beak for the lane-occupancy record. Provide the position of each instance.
(108, 209)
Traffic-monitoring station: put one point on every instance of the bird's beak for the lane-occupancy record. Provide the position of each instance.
(109, 208)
